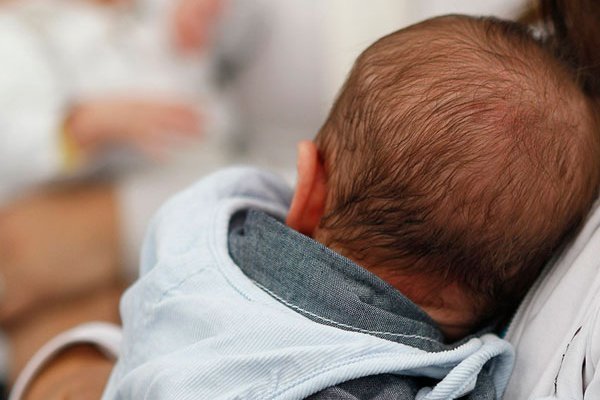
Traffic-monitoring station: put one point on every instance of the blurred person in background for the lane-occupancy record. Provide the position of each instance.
(81, 79)
(69, 246)
(89, 91)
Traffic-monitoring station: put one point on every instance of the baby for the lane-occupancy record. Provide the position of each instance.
(459, 155)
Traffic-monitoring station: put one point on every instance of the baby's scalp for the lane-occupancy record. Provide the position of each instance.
(461, 150)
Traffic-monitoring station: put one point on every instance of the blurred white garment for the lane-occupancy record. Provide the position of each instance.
(280, 88)
(31, 108)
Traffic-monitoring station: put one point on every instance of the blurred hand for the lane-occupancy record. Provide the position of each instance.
(194, 20)
(148, 126)
(57, 244)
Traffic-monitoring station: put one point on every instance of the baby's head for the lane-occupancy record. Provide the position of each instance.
(457, 157)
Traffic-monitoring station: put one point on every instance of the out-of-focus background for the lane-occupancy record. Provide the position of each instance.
(108, 107)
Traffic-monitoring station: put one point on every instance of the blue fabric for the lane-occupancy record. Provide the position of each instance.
(196, 327)
(325, 286)
(332, 290)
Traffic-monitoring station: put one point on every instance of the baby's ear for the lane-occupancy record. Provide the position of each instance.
(308, 203)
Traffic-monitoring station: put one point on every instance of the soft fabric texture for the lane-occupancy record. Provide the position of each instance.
(197, 326)
(556, 331)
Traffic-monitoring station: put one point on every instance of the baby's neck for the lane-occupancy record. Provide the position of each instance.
(448, 306)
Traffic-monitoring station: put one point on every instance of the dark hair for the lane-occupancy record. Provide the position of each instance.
(573, 28)
(460, 150)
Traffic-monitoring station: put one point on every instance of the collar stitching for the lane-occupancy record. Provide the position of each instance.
(350, 327)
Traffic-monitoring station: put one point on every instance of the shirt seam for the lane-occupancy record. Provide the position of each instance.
(339, 324)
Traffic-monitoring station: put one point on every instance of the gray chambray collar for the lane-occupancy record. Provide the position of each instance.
(324, 286)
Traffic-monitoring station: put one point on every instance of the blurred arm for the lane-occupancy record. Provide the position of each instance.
(57, 244)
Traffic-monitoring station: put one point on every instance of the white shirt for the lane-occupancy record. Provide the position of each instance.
(556, 331)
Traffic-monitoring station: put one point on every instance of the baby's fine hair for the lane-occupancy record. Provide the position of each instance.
(460, 150)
